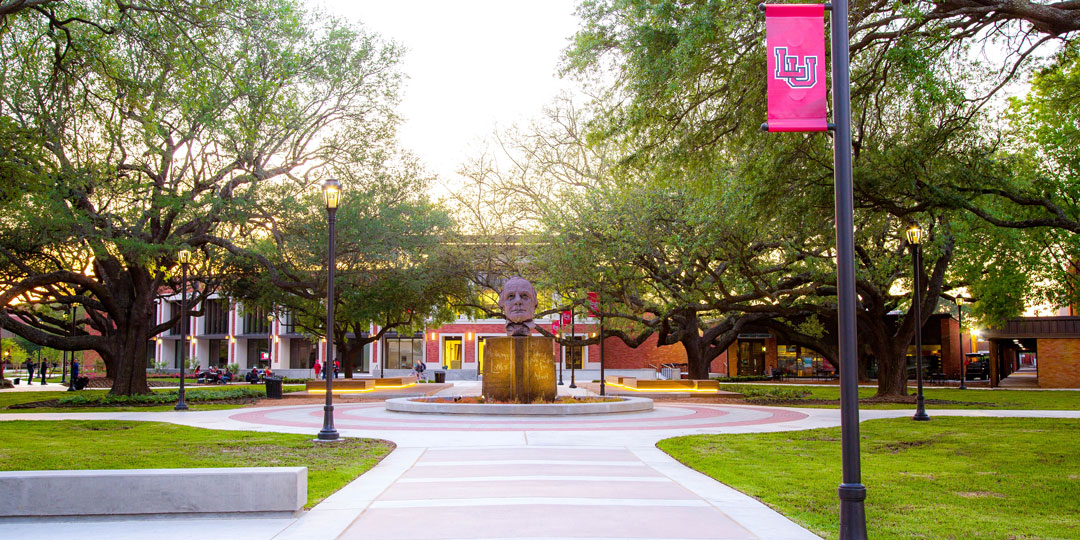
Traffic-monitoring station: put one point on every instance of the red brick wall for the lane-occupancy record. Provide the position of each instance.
(619, 356)
(1059, 363)
(950, 347)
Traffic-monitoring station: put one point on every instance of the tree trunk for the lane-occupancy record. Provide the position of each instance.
(696, 361)
(129, 359)
(348, 356)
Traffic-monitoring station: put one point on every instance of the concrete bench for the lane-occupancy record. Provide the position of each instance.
(665, 386)
(152, 491)
(357, 385)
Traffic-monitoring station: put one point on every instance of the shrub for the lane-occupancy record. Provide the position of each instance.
(768, 392)
(160, 398)
(744, 378)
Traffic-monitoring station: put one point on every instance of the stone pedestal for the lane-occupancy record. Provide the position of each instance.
(520, 369)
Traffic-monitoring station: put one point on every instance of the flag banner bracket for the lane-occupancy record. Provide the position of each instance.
(830, 126)
(826, 5)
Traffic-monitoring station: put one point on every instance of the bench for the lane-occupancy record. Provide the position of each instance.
(684, 385)
(152, 491)
(358, 385)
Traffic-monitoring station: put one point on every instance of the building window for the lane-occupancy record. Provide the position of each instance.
(574, 355)
(174, 311)
(215, 317)
(302, 354)
(219, 352)
(258, 353)
(453, 352)
(255, 321)
(751, 357)
(178, 349)
(289, 322)
(404, 353)
(794, 361)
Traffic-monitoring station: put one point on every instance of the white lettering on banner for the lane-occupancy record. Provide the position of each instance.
(796, 75)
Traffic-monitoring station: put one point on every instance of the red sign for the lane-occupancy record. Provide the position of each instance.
(566, 316)
(594, 304)
(795, 48)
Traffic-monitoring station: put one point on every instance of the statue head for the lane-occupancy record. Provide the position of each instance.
(518, 300)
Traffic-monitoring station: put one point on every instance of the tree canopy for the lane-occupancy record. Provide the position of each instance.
(174, 131)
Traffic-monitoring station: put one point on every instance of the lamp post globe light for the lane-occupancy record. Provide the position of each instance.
(915, 236)
(185, 259)
(331, 189)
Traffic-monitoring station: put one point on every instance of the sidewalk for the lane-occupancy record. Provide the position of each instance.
(487, 477)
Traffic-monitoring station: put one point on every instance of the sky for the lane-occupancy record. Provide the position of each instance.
(473, 67)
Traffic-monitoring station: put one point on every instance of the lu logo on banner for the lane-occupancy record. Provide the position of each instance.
(795, 41)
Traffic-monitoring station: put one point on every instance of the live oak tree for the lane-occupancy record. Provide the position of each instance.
(171, 131)
(688, 92)
(399, 265)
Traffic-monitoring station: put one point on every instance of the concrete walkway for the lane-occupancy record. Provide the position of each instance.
(455, 477)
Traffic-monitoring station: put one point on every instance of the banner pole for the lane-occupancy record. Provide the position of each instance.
(851, 491)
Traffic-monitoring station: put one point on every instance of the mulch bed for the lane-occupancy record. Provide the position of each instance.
(101, 382)
(55, 403)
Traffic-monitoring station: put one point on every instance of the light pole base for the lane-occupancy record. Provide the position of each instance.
(921, 416)
(572, 385)
(852, 512)
(180, 406)
(328, 436)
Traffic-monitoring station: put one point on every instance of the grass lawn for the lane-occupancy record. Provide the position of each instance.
(937, 398)
(951, 478)
(73, 444)
(9, 398)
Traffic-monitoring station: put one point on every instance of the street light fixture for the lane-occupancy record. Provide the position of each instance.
(915, 237)
(185, 259)
(331, 189)
(960, 323)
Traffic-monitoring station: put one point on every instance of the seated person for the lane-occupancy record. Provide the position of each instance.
(252, 376)
(267, 373)
(226, 376)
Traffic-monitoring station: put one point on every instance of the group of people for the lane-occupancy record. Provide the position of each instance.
(43, 368)
(319, 369)
(257, 375)
(214, 375)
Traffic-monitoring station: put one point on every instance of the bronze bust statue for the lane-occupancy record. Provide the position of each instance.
(518, 302)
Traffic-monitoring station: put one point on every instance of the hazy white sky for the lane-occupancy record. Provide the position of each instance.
(472, 66)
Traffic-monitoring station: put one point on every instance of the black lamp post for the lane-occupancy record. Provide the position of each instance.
(960, 320)
(914, 236)
(332, 195)
(185, 259)
(573, 361)
(269, 341)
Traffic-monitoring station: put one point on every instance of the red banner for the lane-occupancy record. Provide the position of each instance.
(594, 304)
(566, 316)
(555, 326)
(795, 48)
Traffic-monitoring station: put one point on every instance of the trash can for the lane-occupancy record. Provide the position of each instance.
(16, 380)
(440, 376)
(273, 387)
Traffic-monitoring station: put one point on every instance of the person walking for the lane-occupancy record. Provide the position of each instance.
(29, 372)
(74, 373)
(44, 371)
(419, 369)
(318, 369)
